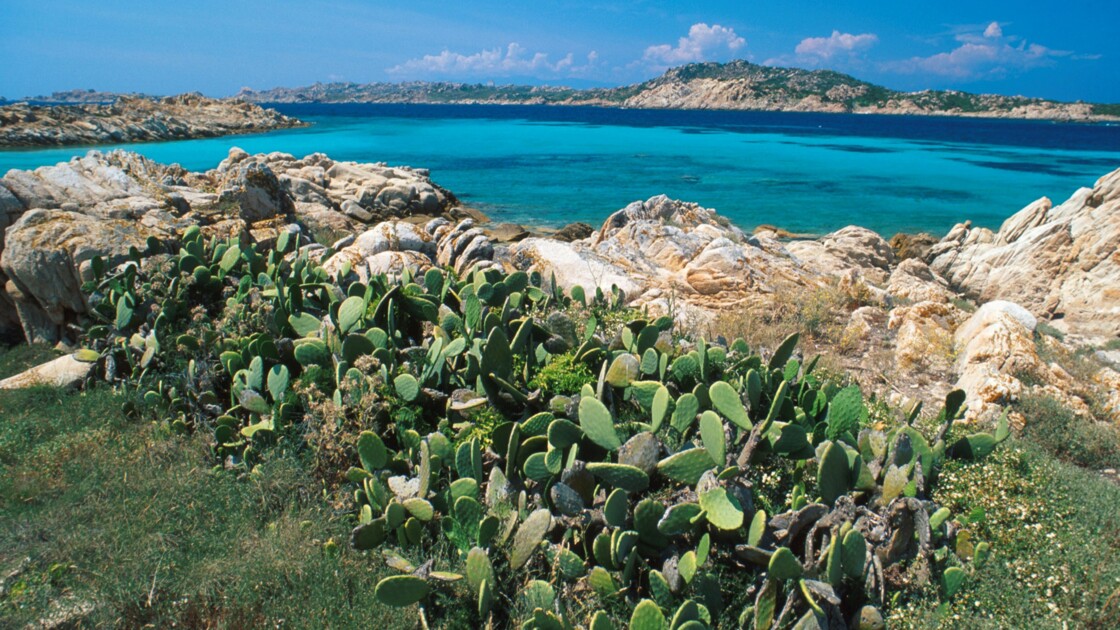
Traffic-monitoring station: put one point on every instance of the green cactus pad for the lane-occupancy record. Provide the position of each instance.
(537, 594)
(952, 581)
(784, 565)
(305, 324)
(726, 401)
(686, 565)
(616, 508)
(686, 466)
(757, 529)
(853, 553)
(711, 432)
(659, 588)
(401, 590)
(782, 355)
(350, 312)
(528, 537)
(765, 605)
(485, 598)
(678, 518)
(602, 582)
(659, 409)
(647, 515)
(596, 421)
(624, 370)
(685, 412)
(407, 387)
(722, 509)
(371, 451)
(600, 621)
(648, 616)
(369, 535)
(479, 568)
(833, 473)
(563, 433)
(622, 476)
(419, 508)
(845, 411)
(278, 379)
(312, 352)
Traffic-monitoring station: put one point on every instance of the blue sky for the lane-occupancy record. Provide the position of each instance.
(1066, 50)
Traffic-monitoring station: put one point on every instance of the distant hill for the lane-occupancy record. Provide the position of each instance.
(80, 97)
(737, 85)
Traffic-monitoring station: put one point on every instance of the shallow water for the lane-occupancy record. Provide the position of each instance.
(808, 173)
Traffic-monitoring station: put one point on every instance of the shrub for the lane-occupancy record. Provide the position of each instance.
(512, 485)
(1067, 436)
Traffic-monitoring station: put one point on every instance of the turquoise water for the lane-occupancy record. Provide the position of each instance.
(809, 173)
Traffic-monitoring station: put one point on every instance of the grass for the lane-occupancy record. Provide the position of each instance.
(1055, 534)
(15, 359)
(130, 525)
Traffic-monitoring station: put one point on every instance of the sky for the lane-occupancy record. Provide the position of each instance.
(1067, 50)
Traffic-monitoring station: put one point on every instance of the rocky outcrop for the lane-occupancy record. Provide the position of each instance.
(59, 218)
(904, 323)
(849, 250)
(135, 119)
(673, 256)
(1062, 263)
(736, 85)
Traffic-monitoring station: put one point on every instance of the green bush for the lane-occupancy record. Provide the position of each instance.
(1067, 436)
(522, 470)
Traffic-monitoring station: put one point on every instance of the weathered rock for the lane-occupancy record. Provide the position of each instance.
(907, 246)
(65, 371)
(914, 281)
(255, 192)
(994, 348)
(573, 232)
(924, 335)
(642, 451)
(667, 254)
(45, 255)
(1061, 263)
(849, 249)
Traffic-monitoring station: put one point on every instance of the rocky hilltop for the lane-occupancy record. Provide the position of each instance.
(737, 85)
(905, 325)
(135, 119)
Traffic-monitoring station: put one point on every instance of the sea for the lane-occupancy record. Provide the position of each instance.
(807, 173)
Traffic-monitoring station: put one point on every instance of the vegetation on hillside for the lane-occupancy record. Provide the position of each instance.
(772, 84)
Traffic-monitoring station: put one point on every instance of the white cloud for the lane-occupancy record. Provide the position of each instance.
(838, 43)
(515, 60)
(703, 43)
(984, 55)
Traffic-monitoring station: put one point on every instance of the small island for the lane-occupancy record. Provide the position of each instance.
(135, 119)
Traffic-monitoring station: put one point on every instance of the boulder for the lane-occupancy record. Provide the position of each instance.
(675, 256)
(1061, 263)
(996, 347)
(65, 371)
(255, 192)
(846, 250)
(46, 257)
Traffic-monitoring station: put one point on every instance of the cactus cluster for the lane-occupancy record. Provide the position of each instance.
(637, 493)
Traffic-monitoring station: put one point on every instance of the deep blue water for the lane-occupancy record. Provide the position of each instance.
(809, 173)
